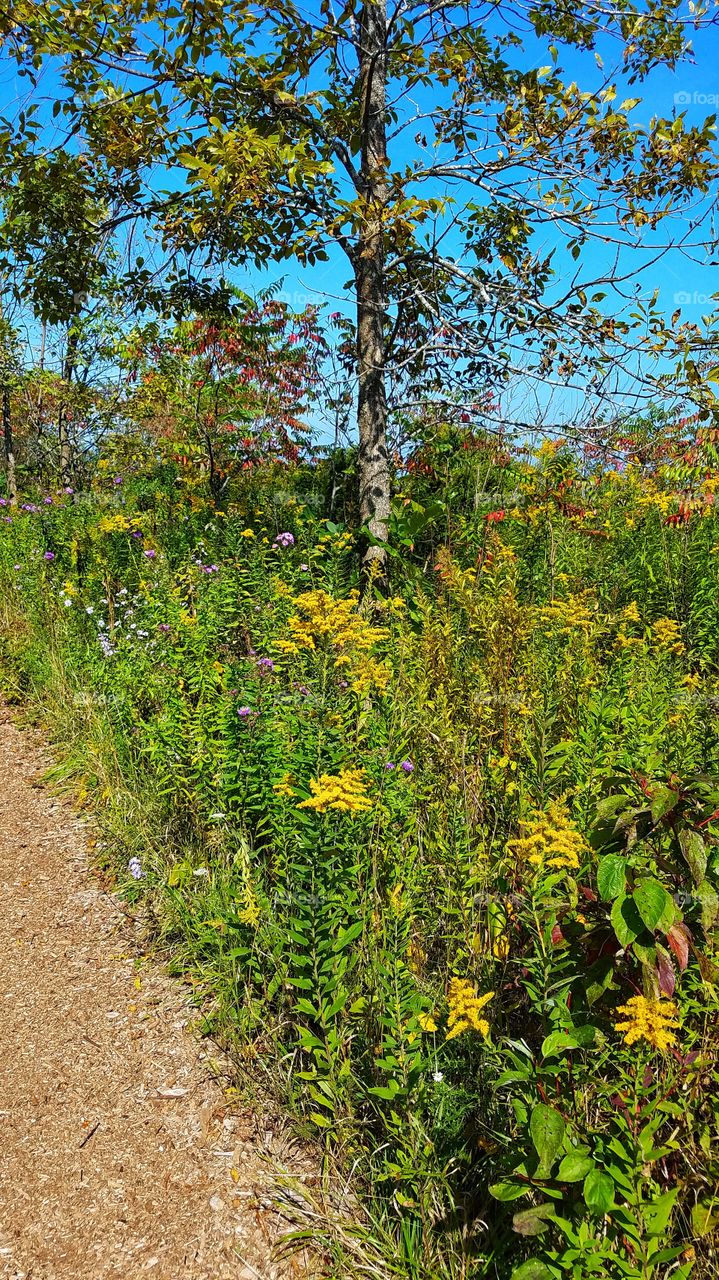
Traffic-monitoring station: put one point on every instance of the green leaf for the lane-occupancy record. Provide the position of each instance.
(558, 1042)
(626, 920)
(609, 808)
(532, 1221)
(663, 801)
(574, 1167)
(507, 1190)
(695, 854)
(547, 1129)
(709, 901)
(598, 1192)
(705, 1217)
(562, 1041)
(658, 1212)
(611, 876)
(654, 904)
(532, 1270)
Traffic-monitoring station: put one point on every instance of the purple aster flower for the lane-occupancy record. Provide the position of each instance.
(68, 489)
(117, 480)
(390, 765)
(48, 502)
(407, 766)
(106, 646)
(136, 533)
(244, 712)
(49, 555)
(304, 568)
(149, 553)
(3, 502)
(284, 540)
(163, 626)
(265, 666)
(17, 567)
(134, 866)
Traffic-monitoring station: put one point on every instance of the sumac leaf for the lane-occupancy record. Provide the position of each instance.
(665, 974)
(678, 939)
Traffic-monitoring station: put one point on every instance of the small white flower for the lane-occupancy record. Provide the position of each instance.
(437, 1076)
(201, 871)
(67, 603)
(89, 609)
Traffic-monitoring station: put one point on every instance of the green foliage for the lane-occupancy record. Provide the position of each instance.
(445, 870)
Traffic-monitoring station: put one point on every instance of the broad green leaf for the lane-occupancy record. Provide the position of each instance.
(558, 1042)
(695, 854)
(611, 876)
(532, 1270)
(507, 1190)
(654, 904)
(574, 1167)
(626, 920)
(532, 1221)
(707, 896)
(599, 1192)
(663, 801)
(547, 1129)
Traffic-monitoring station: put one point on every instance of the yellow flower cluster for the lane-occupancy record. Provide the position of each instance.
(465, 1007)
(568, 616)
(321, 619)
(284, 788)
(345, 791)
(650, 1020)
(550, 840)
(114, 524)
(666, 635)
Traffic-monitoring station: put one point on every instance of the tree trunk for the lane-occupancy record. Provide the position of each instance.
(63, 438)
(374, 494)
(10, 479)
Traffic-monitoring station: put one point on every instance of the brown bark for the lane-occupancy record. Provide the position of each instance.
(374, 489)
(63, 438)
(10, 478)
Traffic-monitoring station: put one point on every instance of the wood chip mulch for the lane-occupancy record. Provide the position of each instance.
(120, 1155)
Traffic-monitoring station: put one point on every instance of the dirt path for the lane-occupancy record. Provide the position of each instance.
(119, 1154)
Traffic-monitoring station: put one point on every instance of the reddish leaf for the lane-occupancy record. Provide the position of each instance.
(678, 939)
(557, 935)
(666, 975)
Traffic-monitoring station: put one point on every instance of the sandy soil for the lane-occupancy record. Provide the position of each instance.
(120, 1155)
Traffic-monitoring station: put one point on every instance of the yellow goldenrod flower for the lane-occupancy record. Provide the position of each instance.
(345, 791)
(427, 1022)
(284, 788)
(650, 1020)
(550, 840)
(665, 634)
(465, 1007)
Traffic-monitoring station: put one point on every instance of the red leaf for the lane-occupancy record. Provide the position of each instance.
(678, 939)
(666, 975)
(557, 935)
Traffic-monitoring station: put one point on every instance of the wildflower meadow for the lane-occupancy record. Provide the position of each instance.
(440, 865)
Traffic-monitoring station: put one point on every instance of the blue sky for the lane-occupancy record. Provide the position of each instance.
(686, 282)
